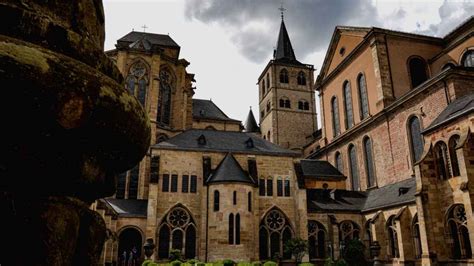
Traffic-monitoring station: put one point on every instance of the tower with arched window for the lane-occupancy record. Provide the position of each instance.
(286, 97)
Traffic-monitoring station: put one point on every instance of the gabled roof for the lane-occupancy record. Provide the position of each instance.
(391, 195)
(128, 207)
(223, 141)
(229, 170)
(457, 108)
(320, 169)
(150, 38)
(284, 52)
(251, 124)
(206, 109)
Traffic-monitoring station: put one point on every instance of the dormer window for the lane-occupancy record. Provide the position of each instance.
(249, 143)
(201, 140)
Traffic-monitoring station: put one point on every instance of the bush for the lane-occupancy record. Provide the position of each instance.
(256, 263)
(228, 262)
(297, 247)
(193, 261)
(270, 263)
(200, 264)
(175, 263)
(306, 264)
(354, 253)
(341, 262)
(244, 264)
(328, 262)
(175, 254)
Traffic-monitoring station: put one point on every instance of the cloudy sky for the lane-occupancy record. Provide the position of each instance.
(229, 42)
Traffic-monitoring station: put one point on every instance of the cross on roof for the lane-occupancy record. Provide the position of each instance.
(144, 27)
(282, 10)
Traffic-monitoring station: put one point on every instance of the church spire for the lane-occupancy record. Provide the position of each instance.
(284, 50)
(250, 124)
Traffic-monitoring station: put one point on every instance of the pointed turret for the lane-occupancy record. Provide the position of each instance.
(251, 125)
(284, 51)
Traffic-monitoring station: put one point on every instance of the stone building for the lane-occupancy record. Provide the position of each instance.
(390, 163)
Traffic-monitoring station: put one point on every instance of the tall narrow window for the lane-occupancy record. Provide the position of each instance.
(354, 168)
(237, 229)
(164, 98)
(193, 184)
(268, 80)
(249, 201)
(348, 114)
(393, 239)
(416, 237)
(133, 184)
(138, 77)
(300, 105)
(165, 186)
(174, 183)
(468, 59)
(234, 198)
(141, 95)
(335, 117)
(231, 229)
(301, 78)
(279, 187)
(284, 76)
(121, 183)
(190, 247)
(453, 142)
(456, 223)
(416, 139)
(261, 187)
(287, 187)
(269, 187)
(185, 184)
(164, 242)
(216, 200)
(154, 169)
(316, 240)
(418, 73)
(339, 165)
(130, 83)
(441, 155)
(263, 88)
(363, 98)
(369, 163)
(306, 106)
(268, 106)
(282, 103)
(287, 103)
(252, 168)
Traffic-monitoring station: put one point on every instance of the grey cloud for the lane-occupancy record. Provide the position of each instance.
(310, 22)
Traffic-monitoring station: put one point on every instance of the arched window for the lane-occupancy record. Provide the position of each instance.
(263, 88)
(369, 162)
(416, 237)
(269, 186)
(301, 78)
(416, 139)
(363, 98)
(338, 160)
(268, 106)
(306, 105)
(138, 77)
(249, 200)
(164, 98)
(287, 103)
(453, 142)
(392, 237)
(354, 168)
(418, 73)
(316, 240)
(441, 155)
(231, 229)
(268, 80)
(468, 59)
(216, 200)
(368, 235)
(178, 231)
(133, 183)
(234, 198)
(282, 103)
(348, 230)
(456, 226)
(335, 117)
(348, 114)
(284, 76)
(275, 230)
(237, 229)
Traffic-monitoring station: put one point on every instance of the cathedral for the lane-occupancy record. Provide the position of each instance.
(390, 163)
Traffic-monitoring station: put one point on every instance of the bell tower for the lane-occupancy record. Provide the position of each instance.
(286, 96)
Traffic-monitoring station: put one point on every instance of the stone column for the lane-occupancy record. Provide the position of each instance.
(69, 128)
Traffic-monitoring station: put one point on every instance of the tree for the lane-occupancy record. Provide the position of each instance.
(353, 253)
(297, 247)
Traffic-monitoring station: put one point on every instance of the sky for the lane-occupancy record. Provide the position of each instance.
(229, 42)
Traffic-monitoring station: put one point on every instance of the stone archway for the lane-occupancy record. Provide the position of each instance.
(130, 242)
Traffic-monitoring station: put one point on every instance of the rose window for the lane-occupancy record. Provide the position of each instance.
(275, 220)
(178, 217)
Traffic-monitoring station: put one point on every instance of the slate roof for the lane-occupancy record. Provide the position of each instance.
(251, 124)
(284, 52)
(128, 207)
(399, 193)
(206, 109)
(320, 170)
(151, 38)
(457, 108)
(223, 141)
(229, 170)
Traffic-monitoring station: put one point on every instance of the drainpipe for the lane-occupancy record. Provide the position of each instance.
(207, 221)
